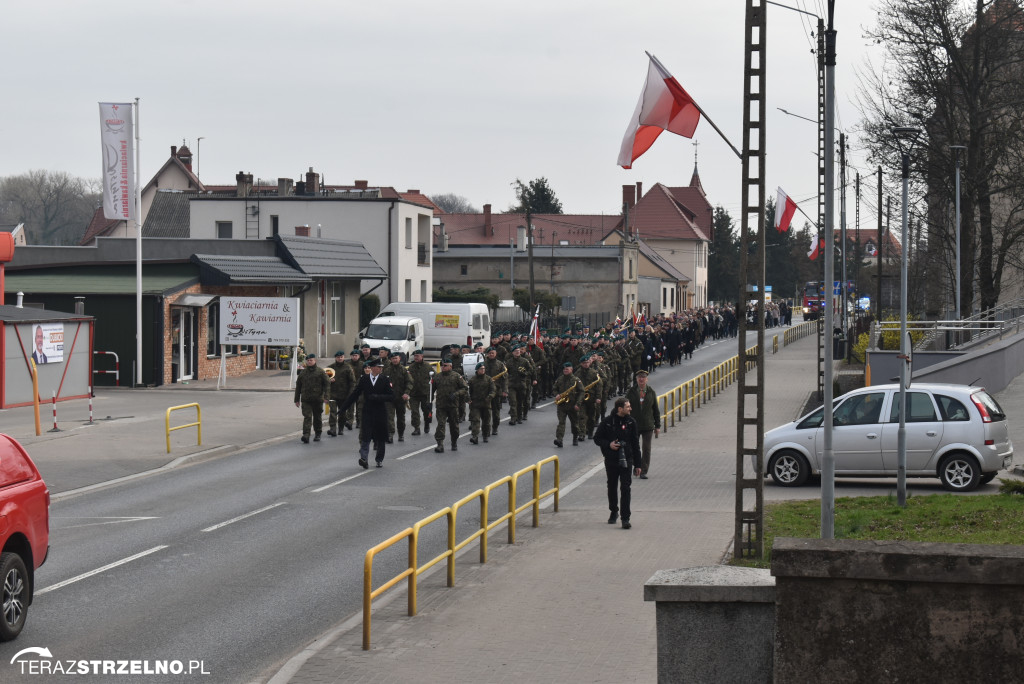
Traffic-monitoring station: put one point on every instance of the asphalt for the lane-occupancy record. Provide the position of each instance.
(562, 604)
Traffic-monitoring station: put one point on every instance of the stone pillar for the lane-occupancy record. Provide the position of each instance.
(715, 624)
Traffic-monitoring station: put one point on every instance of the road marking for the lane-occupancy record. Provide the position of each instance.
(106, 520)
(341, 481)
(97, 571)
(243, 517)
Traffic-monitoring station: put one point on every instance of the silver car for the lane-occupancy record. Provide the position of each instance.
(957, 433)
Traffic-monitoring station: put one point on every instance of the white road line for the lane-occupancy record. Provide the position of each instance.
(97, 571)
(341, 481)
(243, 517)
(106, 520)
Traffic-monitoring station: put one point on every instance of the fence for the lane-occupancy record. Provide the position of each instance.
(198, 424)
(414, 569)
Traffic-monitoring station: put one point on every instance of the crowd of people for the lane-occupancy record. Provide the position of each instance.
(597, 378)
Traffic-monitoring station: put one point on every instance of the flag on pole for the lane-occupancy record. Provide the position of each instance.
(871, 250)
(118, 160)
(785, 207)
(817, 247)
(535, 326)
(663, 106)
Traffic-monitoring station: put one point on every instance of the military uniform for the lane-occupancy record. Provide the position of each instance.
(449, 391)
(419, 393)
(341, 386)
(540, 360)
(402, 383)
(587, 420)
(494, 369)
(482, 391)
(520, 379)
(569, 385)
(312, 391)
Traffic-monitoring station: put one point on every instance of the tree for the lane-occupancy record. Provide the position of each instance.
(450, 203)
(956, 69)
(55, 207)
(724, 259)
(536, 197)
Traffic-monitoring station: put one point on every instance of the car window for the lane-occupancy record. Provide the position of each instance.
(951, 409)
(860, 409)
(919, 408)
(995, 411)
(14, 465)
(811, 421)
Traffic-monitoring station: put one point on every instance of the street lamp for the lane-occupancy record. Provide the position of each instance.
(905, 137)
(956, 151)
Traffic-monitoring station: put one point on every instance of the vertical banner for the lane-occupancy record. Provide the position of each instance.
(118, 160)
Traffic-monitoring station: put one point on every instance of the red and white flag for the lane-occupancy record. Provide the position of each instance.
(535, 326)
(785, 207)
(118, 160)
(663, 106)
(817, 247)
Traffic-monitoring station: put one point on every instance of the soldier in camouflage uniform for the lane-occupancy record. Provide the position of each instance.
(520, 380)
(567, 388)
(587, 376)
(342, 383)
(419, 392)
(496, 368)
(449, 391)
(481, 393)
(401, 382)
(540, 360)
(312, 391)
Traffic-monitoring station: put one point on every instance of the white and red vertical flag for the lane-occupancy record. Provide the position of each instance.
(663, 106)
(785, 207)
(535, 326)
(817, 247)
(118, 160)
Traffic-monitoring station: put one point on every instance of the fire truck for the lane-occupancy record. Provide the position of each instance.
(812, 300)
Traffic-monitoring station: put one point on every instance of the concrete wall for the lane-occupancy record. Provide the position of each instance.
(863, 611)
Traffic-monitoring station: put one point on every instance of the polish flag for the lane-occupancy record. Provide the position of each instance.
(785, 207)
(817, 247)
(535, 327)
(663, 106)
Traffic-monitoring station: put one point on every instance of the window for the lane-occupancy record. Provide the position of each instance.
(919, 408)
(463, 269)
(630, 268)
(861, 409)
(951, 409)
(223, 230)
(213, 346)
(337, 308)
(408, 233)
(275, 224)
(664, 297)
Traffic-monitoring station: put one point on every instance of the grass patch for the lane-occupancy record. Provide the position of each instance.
(951, 518)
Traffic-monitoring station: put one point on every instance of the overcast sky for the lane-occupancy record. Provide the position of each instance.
(446, 96)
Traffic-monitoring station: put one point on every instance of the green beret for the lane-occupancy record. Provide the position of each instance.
(479, 365)
(567, 364)
(417, 351)
(339, 353)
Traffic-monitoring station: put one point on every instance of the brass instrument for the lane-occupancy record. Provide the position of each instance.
(586, 390)
(565, 396)
(330, 372)
(500, 375)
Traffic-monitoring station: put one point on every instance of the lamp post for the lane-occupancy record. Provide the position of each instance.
(905, 137)
(956, 151)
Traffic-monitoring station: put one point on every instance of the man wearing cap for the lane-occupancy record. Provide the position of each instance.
(591, 381)
(376, 392)
(481, 393)
(520, 378)
(617, 435)
(419, 392)
(568, 393)
(498, 372)
(644, 402)
(401, 382)
(312, 391)
(449, 391)
(341, 386)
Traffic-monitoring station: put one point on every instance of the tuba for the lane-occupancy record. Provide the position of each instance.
(330, 372)
(586, 390)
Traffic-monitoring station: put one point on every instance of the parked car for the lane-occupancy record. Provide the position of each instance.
(24, 533)
(957, 433)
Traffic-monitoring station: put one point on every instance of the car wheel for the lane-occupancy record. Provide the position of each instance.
(789, 469)
(986, 478)
(959, 473)
(15, 595)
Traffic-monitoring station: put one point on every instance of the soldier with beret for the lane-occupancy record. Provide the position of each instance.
(481, 393)
(419, 392)
(401, 382)
(568, 393)
(341, 386)
(312, 391)
(450, 390)
(498, 372)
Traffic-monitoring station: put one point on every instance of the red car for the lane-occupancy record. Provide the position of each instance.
(24, 533)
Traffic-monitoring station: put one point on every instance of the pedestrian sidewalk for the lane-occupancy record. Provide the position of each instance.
(565, 603)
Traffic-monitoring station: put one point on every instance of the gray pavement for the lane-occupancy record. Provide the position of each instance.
(565, 603)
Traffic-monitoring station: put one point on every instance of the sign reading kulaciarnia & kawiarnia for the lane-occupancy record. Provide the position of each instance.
(259, 321)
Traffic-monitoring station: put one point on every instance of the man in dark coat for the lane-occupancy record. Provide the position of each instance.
(376, 391)
(619, 439)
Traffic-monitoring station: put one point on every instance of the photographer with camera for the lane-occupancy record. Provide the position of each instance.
(619, 439)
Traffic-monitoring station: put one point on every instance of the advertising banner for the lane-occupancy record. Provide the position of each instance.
(446, 321)
(118, 161)
(48, 343)
(259, 321)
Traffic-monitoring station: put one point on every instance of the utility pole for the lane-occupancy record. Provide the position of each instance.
(842, 238)
(828, 463)
(529, 254)
(878, 249)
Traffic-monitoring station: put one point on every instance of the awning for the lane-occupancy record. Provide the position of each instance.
(193, 300)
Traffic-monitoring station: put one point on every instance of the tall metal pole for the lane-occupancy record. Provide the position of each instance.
(956, 150)
(842, 238)
(529, 255)
(828, 464)
(901, 435)
(878, 300)
(138, 253)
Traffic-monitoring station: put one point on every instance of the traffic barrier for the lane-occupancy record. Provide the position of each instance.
(198, 424)
(54, 401)
(117, 367)
(686, 398)
(414, 569)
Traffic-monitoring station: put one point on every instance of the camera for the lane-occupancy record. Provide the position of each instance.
(623, 461)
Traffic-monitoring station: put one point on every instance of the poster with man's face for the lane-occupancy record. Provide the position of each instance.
(48, 343)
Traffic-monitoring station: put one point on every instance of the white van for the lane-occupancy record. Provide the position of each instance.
(446, 322)
(402, 334)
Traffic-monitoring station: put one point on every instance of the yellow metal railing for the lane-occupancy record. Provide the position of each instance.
(799, 331)
(198, 424)
(683, 400)
(414, 569)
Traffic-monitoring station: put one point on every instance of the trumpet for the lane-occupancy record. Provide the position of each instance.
(586, 390)
(565, 396)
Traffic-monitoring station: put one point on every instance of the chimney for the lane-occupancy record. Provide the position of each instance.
(21, 300)
(362, 185)
(79, 305)
(629, 196)
(244, 183)
(284, 187)
(488, 228)
(639, 191)
(521, 238)
(174, 150)
(300, 188)
(312, 182)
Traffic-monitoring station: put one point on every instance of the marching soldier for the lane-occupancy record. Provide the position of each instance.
(591, 388)
(419, 392)
(498, 372)
(402, 383)
(568, 393)
(342, 383)
(520, 379)
(312, 391)
(449, 391)
(481, 393)
(540, 360)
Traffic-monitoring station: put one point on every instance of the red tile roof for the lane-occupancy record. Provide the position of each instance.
(671, 213)
(417, 197)
(99, 226)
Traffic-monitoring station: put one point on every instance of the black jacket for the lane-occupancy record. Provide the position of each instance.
(623, 429)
